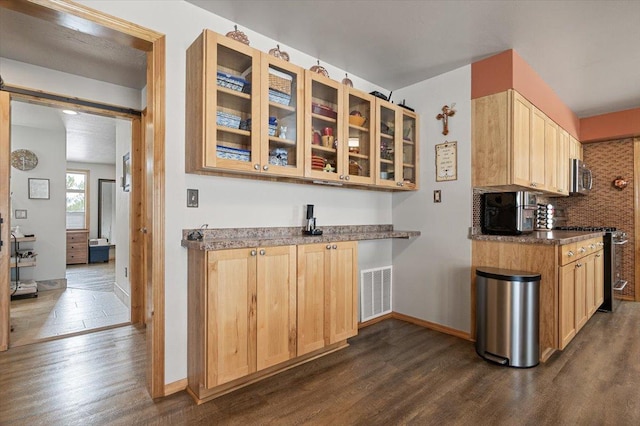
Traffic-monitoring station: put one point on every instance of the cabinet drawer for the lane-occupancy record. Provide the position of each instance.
(574, 251)
(567, 253)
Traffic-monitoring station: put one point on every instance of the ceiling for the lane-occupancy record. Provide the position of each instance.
(90, 138)
(587, 51)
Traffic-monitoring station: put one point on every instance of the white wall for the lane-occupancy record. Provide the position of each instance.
(432, 273)
(16, 73)
(229, 202)
(96, 171)
(123, 145)
(45, 218)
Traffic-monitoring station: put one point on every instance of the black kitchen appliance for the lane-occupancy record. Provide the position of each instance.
(508, 213)
(613, 241)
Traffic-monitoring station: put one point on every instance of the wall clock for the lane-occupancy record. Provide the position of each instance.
(23, 159)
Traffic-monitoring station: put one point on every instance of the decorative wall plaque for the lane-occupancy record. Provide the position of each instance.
(447, 161)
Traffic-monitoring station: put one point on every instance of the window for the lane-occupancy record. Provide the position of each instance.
(77, 199)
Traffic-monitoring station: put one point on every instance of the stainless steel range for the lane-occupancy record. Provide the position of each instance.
(614, 242)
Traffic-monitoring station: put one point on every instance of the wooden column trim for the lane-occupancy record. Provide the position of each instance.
(5, 254)
(636, 210)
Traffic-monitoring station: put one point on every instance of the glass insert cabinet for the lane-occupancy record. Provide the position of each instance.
(252, 114)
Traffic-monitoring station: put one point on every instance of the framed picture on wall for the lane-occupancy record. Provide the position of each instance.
(126, 172)
(38, 189)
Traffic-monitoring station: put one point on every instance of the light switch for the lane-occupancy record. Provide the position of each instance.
(437, 196)
(192, 198)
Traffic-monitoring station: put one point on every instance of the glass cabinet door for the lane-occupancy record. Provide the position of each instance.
(235, 101)
(324, 128)
(387, 144)
(282, 117)
(409, 150)
(360, 147)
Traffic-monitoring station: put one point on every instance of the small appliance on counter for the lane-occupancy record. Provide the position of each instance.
(311, 223)
(508, 213)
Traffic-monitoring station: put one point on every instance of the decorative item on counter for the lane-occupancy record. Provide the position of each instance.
(444, 116)
(347, 81)
(279, 53)
(545, 220)
(238, 35)
(319, 69)
(620, 183)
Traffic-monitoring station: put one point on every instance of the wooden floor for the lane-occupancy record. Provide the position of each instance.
(393, 373)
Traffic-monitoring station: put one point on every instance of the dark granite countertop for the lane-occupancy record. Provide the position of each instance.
(541, 237)
(229, 238)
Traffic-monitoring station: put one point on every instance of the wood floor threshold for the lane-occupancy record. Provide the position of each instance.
(226, 388)
(73, 334)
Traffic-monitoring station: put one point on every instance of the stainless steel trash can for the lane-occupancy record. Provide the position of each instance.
(507, 313)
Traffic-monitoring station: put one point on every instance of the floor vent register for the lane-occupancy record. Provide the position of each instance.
(375, 293)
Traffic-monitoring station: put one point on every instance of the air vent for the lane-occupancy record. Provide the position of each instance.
(375, 293)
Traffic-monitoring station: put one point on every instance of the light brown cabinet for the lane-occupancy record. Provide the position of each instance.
(77, 246)
(327, 294)
(396, 136)
(256, 311)
(236, 119)
(581, 283)
(516, 146)
(252, 114)
(569, 294)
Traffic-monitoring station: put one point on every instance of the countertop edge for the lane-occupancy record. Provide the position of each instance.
(551, 237)
(231, 243)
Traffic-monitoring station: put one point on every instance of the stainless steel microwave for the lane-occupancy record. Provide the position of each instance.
(581, 178)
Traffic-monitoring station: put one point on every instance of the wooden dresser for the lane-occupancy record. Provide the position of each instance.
(77, 246)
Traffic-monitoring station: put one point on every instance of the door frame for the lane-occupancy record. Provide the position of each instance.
(147, 219)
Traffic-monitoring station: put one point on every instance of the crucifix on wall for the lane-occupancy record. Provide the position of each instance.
(444, 116)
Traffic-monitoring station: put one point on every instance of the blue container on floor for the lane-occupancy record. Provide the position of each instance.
(98, 254)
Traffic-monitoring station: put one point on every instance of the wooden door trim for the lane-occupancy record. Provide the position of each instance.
(636, 209)
(90, 21)
(5, 148)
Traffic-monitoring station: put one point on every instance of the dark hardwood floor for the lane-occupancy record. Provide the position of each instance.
(393, 373)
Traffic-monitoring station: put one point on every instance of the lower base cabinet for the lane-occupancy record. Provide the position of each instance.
(255, 311)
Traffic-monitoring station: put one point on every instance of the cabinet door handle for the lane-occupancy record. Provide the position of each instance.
(592, 246)
(1, 222)
(578, 265)
(253, 253)
(533, 184)
(256, 166)
(328, 246)
(570, 253)
(262, 252)
(598, 255)
(335, 246)
(265, 167)
(341, 177)
(346, 177)
(582, 250)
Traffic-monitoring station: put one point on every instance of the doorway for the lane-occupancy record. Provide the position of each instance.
(73, 259)
(147, 164)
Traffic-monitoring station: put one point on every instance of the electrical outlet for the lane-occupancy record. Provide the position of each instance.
(437, 196)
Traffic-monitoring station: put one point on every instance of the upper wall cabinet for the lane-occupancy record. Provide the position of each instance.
(249, 113)
(243, 109)
(516, 146)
